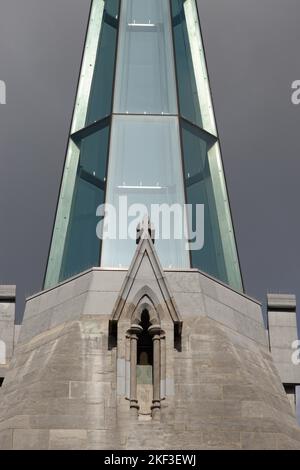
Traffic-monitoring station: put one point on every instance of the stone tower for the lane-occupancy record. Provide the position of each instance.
(146, 343)
(144, 358)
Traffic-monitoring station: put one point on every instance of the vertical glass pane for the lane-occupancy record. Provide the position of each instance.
(82, 246)
(100, 101)
(193, 86)
(204, 186)
(145, 166)
(234, 278)
(94, 95)
(88, 65)
(145, 76)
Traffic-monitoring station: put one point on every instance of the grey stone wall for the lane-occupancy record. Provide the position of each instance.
(8, 333)
(298, 403)
(96, 291)
(284, 345)
(61, 390)
(283, 333)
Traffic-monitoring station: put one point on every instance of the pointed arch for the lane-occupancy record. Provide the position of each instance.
(163, 300)
(146, 299)
(145, 304)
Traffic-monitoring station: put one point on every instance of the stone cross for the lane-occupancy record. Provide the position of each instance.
(145, 230)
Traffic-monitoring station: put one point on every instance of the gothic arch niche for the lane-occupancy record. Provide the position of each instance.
(147, 361)
(144, 368)
(145, 328)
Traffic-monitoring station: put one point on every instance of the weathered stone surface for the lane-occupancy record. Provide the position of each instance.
(7, 292)
(8, 330)
(66, 385)
(66, 439)
(283, 334)
(6, 439)
(284, 343)
(259, 441)
(30, 439)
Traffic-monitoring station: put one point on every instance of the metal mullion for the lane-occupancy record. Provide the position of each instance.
(201, 130)
(90, 129)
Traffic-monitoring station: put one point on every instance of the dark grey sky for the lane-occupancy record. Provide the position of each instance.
(252, 48)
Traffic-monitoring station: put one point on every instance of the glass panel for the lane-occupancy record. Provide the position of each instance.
(62, 216)
(100, 102)
(145, 78)
(193, 86)
(224, 217)
(94, 95)
(205, 185)
(82, 247)
(145, 166)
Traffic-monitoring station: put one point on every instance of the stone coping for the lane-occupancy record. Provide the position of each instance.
(169, 270)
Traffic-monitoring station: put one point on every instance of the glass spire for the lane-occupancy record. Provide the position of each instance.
(144, 132)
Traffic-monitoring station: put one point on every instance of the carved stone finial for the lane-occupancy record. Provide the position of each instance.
(145, 230)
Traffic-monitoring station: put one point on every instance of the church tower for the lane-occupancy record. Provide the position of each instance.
(140, 341)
